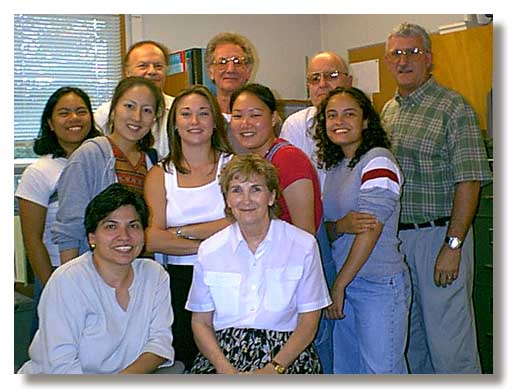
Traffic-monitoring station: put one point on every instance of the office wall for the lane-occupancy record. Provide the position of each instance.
(282, 41)
(343, 32)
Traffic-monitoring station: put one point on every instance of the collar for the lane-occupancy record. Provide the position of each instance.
(237, 238)
(417, 96)
(311, 113)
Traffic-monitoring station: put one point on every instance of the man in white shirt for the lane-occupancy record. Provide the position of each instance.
(148, 59)
(326, 71)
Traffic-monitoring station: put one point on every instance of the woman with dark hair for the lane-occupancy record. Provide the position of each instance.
(371, 291)
(184, 198)
(66, 122)
(107, 311)
(123, 156)
(258, 285)
(253, 119)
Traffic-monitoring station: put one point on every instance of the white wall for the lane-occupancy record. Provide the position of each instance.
(343, 32)
(282, 41)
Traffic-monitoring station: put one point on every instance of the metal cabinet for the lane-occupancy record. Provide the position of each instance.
(483, 284)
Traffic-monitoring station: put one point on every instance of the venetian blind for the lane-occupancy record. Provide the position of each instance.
(51, 51)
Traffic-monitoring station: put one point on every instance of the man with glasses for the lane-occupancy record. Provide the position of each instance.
(229, 60)
(148, 59)
(437, 141)
(325, 72)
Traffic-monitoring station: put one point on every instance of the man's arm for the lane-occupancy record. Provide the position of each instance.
(464, 208)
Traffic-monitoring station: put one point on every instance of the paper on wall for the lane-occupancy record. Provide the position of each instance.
(366, 75)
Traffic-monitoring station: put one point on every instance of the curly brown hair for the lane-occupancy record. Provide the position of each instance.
(329, 154)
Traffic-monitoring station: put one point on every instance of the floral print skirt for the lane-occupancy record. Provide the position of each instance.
(249, 349)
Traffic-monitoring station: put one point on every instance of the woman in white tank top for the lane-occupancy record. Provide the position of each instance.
(185, 201)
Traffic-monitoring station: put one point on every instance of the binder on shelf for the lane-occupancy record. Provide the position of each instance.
(177, 63)
(186, 68)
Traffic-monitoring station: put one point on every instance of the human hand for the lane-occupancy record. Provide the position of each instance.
(356, 222)
(335, 311)
(446, 269)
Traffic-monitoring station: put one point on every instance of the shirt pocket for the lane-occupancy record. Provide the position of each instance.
(225, 290)
(281, 286)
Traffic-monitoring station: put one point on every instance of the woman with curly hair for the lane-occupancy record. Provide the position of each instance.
(371, 290)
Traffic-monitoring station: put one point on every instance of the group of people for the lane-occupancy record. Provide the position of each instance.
(185, 228)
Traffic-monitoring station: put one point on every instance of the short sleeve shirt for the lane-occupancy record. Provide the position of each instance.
(437, 142)
(264, 290)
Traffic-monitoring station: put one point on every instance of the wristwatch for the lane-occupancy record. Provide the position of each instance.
(453, 242)
(179, 233)
(278, 367)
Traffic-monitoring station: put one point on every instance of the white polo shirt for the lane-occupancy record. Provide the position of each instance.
(264, 290)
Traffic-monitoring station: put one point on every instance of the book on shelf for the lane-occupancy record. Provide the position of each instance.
(186, 68)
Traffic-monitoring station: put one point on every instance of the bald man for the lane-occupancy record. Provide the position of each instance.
(326, 71)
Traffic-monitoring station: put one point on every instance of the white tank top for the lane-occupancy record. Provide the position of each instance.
(191, 205)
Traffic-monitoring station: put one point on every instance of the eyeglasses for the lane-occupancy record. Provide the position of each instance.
(411, 54)
(238, 62)
(315, 78)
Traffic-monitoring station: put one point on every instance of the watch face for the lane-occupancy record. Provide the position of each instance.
(453, 242)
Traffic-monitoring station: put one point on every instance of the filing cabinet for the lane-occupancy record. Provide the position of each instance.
(483, 227)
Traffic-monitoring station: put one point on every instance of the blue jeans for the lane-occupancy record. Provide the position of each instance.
(371, 339)
(324, 337)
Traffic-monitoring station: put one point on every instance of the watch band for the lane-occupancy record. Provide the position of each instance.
(453, 242)
(278, 367)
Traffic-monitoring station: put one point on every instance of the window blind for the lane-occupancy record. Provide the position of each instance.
(51, 51)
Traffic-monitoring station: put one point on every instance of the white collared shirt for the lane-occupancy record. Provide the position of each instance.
(266, 289)
(299, 130)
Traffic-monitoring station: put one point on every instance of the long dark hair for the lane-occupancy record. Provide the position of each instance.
(125, 85)
(219, 139)
(47, 141)
(329, 154)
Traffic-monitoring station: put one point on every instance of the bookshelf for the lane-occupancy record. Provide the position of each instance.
(187, 67)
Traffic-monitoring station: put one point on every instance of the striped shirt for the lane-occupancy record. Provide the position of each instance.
(373, 186)
(437, 141)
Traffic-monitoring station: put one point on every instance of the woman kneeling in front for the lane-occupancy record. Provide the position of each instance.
(258, 286)
(106, 311)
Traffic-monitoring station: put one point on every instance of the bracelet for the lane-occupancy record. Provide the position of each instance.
(278, 367)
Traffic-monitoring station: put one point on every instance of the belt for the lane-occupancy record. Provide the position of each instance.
(441, 222)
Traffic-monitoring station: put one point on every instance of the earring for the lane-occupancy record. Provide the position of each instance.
(93, 246)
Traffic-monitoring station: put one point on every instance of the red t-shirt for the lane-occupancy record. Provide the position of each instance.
(293, 165)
